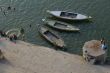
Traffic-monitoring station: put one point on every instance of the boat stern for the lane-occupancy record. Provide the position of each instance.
(81, 17)
(89, 17)
(73, 28)
(43, 19)
(61, 43)
(48, 11)
(77, 29)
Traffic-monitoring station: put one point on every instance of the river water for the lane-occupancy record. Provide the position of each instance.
(30, 12)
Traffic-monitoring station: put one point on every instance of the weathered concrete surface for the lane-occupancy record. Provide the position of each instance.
(23, 57)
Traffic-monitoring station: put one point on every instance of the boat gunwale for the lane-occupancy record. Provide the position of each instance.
(76, 28)
(68, 18)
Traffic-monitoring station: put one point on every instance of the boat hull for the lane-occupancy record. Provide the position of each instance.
(60, 25)
(76, 16)
(52, 37)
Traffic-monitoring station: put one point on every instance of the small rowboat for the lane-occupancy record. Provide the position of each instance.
(51, 37)
(60, 25)
(68, 15)
(13, 31)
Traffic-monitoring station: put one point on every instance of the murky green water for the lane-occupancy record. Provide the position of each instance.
(32, 11)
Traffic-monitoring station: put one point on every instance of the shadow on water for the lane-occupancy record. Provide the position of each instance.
(66, 49)
(61, 49)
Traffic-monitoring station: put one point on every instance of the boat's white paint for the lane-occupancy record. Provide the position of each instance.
(78, 17)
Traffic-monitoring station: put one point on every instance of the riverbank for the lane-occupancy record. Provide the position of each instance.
(22, 57)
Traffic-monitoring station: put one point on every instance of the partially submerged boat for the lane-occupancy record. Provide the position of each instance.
(13, 31)
(60, 25)
(52, 37)
(68, 15)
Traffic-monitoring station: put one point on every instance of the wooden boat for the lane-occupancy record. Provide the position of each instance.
(51, 37)
(60, 25)
(68, 15)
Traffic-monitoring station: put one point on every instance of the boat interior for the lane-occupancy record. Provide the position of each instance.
(60, 25)
(65, 14)
(50, 35)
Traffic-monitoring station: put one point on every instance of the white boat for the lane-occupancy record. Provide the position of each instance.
(68, 15)
(60, 25)
(51, 37)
